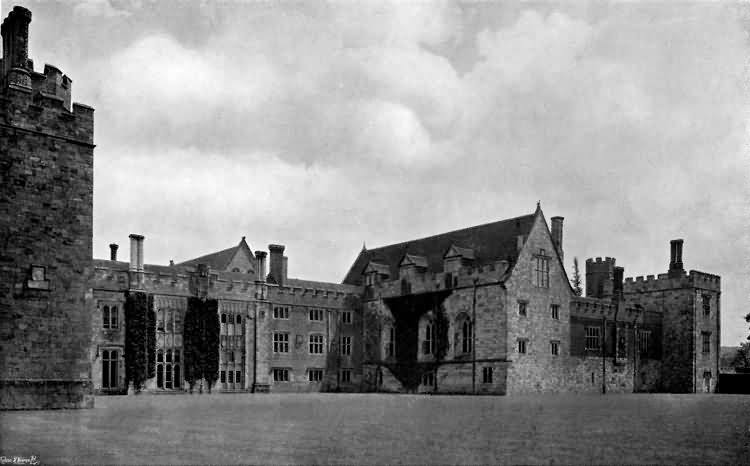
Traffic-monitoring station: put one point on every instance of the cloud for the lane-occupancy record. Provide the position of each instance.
(99, 8)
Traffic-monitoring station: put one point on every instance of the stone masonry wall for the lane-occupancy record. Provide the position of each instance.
(46, 203)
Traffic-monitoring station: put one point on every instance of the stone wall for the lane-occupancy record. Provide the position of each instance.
(46, 202)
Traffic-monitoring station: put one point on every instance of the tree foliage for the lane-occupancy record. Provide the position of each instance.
(576, 281)
(140, 339)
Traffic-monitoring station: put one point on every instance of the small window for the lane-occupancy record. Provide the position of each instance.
(223, 319)
(223, 376)
(280, 375)
(230, 356)
(346, 317)
(706, 305)
(346, 346)
(554, 347)
(238, 319)
(522, 345)
(280, 342)
(428, 379)
(346, 375)
(644, 336)
(316, 315)
(448, 280)
(316, 344)
(230, 377)
(522, 308)
(487, 375)
(160, 356)
(105, 317)
(238, 376)
(555, 310)
(281, 312)
(428, 345)
(592, 338)
(109, 317)
(315, 375)
(706, 342)
(235, 270)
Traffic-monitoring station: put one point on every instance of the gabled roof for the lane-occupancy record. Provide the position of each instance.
(220, 260)
(382, 269)
(456, 251)
(411, 259)
(490, 242)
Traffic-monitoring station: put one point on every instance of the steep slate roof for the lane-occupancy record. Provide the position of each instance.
(219, 260)
(490, 242)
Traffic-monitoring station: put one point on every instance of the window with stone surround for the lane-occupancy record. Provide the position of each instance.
(464, 335)
(281, 312)
(280, 342)
(346, 346)
(390, 343)
(110, 317)
(346, 317)
(555, 311)
(428, 345)
(346, 375)
(541, 278)
(592, 337)
(706, 305)
(706, 342)
(428, 379)
(644, 336)
(280, 374)
(110, 366)
(315, 375)
(315, 315)
(554, 347)
(316, 344)
(522, 305)
(522, 345)
(487, 375)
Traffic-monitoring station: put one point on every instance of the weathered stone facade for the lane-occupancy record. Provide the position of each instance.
(46, 204)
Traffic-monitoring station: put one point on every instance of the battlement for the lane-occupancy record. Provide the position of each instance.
(606, 261)
(663, 282)
(33, 101)
(705, 280)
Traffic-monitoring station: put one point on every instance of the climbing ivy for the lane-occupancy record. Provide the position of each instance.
(140, 339)
(200, 340)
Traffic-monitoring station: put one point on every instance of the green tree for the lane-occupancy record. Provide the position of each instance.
(576, 282)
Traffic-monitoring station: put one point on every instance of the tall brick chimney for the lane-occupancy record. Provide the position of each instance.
(136, 253)
(113, 251)
(557, 234)
(15, 32)
(276, 265)
(619, 273)
(260, 266)
(675, 258)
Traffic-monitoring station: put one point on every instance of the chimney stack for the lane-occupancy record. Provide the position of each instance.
(113, 251)
(675, 258)
(557, 234)
(260, 266)
(277, 263)
(136, 253)
(15, 32)
(619, 274)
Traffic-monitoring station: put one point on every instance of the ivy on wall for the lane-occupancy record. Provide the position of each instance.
(140, 339)
(201, 329)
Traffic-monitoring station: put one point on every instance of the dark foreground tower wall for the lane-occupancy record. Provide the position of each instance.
(46, 203)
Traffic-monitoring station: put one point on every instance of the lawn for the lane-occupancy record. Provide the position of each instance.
(379, 429)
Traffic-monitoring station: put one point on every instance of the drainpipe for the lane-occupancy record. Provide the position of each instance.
(474, 339)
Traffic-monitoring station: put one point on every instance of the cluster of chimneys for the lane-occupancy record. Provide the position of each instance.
(278, 266)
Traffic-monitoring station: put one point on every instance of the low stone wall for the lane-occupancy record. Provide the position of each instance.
(46, 394)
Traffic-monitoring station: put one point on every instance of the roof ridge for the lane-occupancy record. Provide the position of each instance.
(209, 254)
(453, 231)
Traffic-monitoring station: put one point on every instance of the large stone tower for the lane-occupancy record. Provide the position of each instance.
(46, 204)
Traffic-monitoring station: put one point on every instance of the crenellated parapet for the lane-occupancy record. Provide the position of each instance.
(33, 101)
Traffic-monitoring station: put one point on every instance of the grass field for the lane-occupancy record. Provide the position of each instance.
(386, 429)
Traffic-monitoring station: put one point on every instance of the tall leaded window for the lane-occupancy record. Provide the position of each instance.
(390, 345)
(280, 342)
(346, 346)
(110, 318)
(316, 344)
(592, 337)
(706, 342)
(110, 369)
(542, 270)
(706, 305)
(428, 345)
(467, 332)
(643, 341)
(280, 374)
(346, 317)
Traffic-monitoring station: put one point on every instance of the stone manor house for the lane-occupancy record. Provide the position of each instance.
(487, 309)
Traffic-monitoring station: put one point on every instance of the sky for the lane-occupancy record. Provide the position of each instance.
(323, 126)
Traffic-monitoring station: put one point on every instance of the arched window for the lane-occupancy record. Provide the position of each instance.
(390, 341)
(113, 317)
(239, 319)
(168, 376)
(160, 356)
(160, 320)
(223, 318)
(467, 330)
(169, 356)
(235, 269)
(429, 338)
(168, 318)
